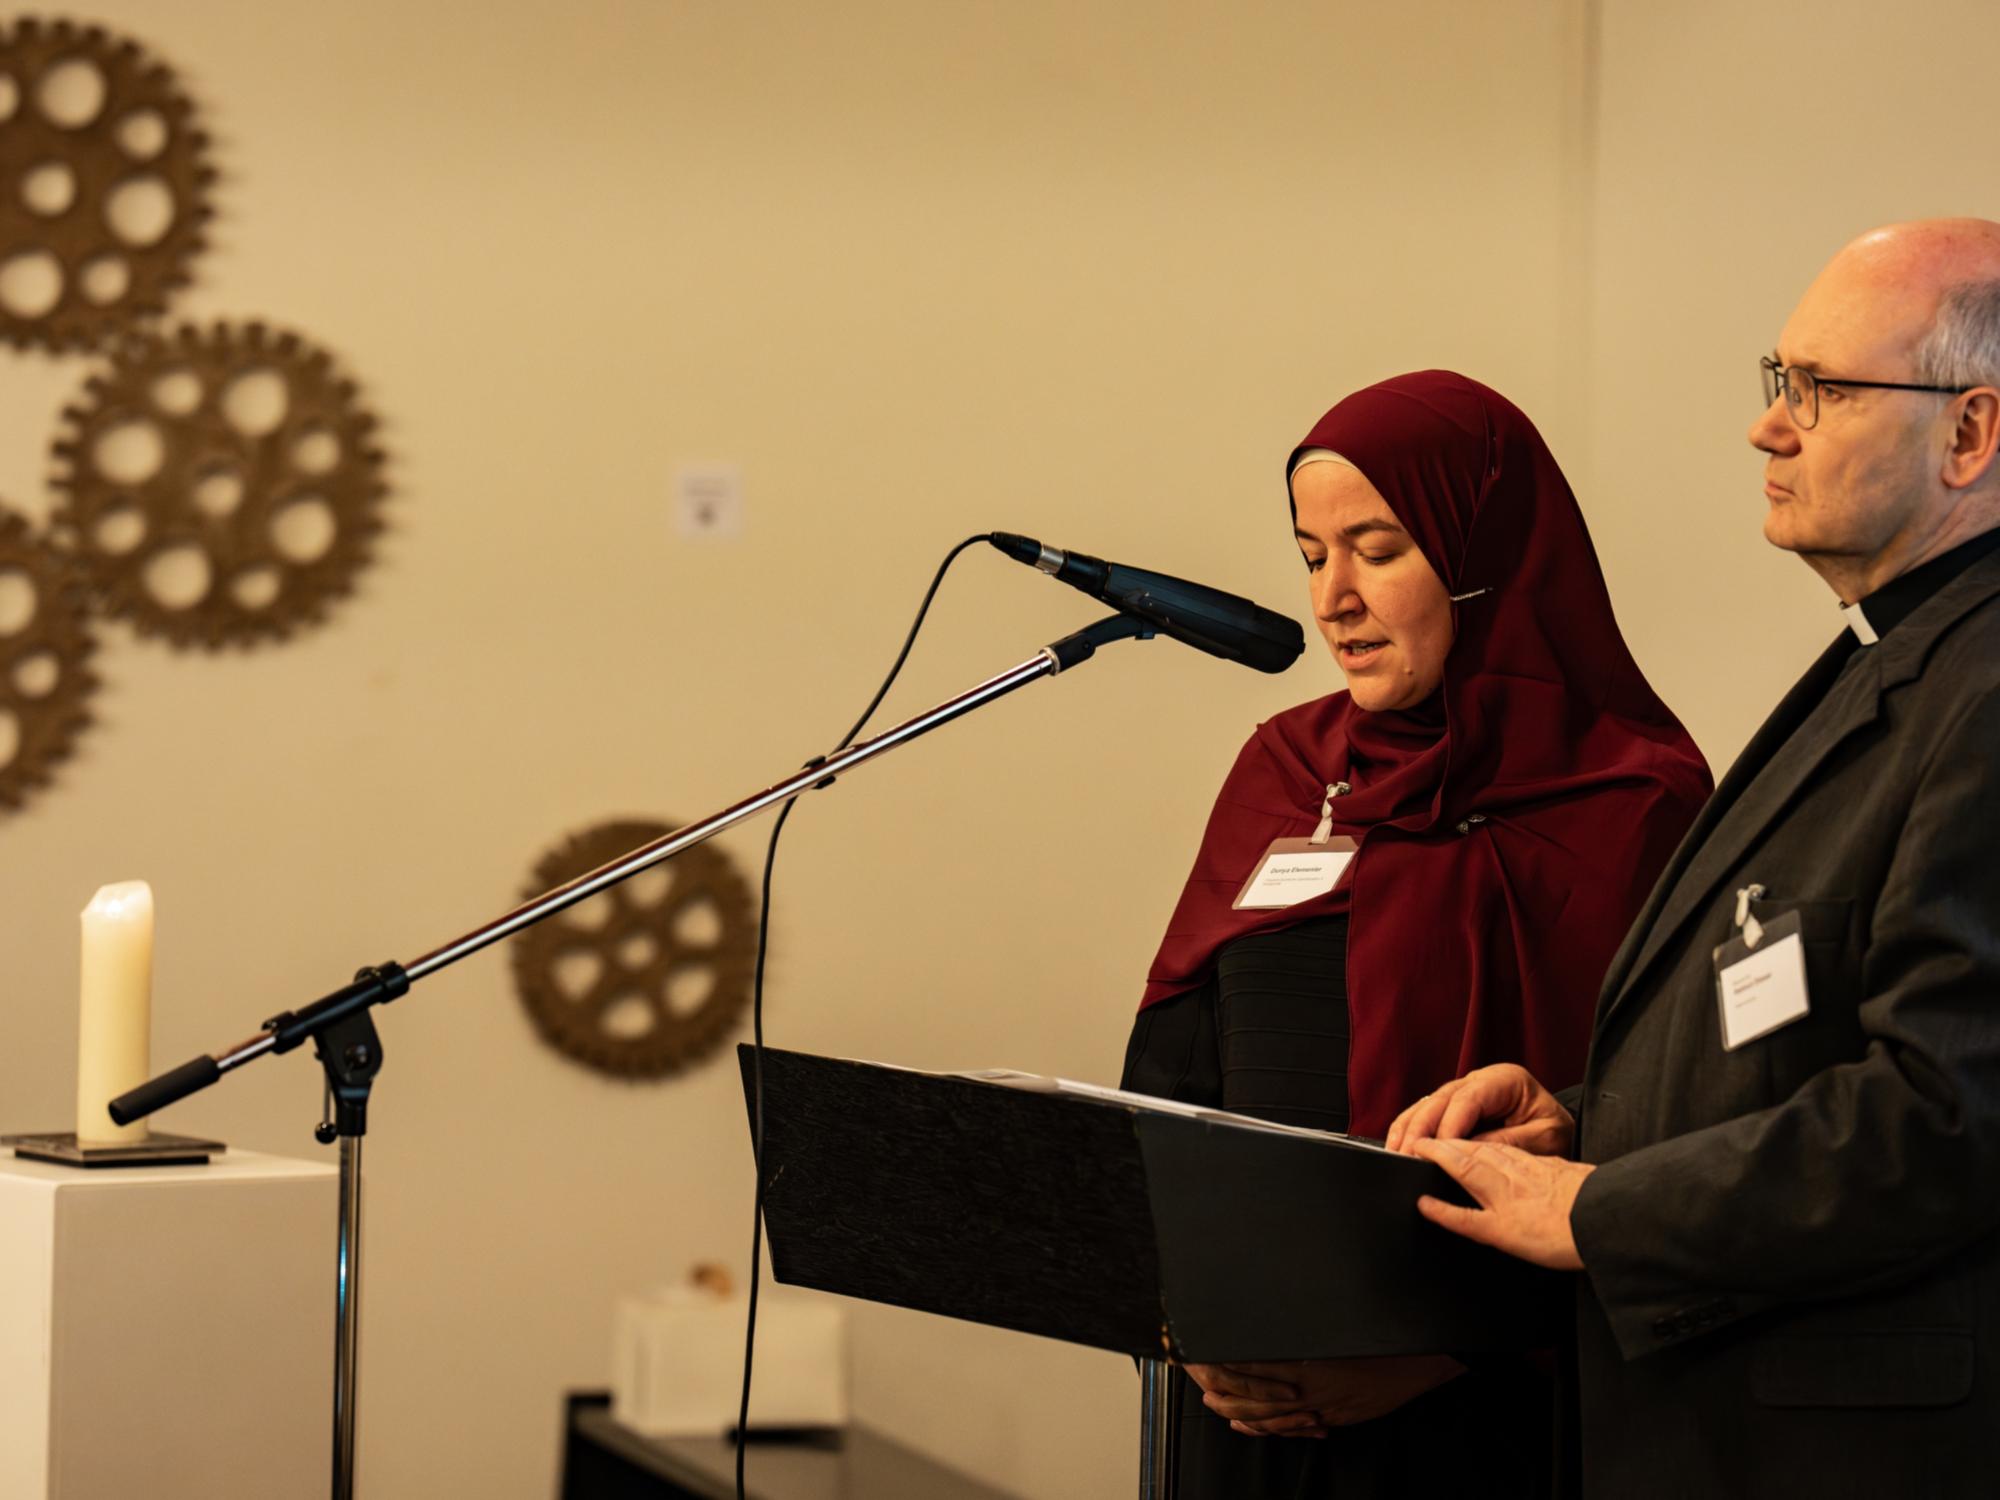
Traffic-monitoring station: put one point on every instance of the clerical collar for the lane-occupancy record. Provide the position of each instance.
(1882, 611)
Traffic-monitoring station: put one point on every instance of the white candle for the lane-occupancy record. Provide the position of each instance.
(115, 1031)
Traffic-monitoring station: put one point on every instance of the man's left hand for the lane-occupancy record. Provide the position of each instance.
(1524, 1201)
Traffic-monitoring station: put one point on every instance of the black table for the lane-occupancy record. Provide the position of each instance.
(605, 1461)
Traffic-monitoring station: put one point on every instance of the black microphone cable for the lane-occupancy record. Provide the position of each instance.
(757, 1000)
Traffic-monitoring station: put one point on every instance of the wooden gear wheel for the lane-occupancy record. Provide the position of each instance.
(103, 185)
(45, 646)
(645, 978)
(222, 487)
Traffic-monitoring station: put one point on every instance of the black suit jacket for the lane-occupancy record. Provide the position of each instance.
(1792, 1250)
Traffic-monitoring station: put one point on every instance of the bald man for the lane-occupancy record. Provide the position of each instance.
(1781, 1174)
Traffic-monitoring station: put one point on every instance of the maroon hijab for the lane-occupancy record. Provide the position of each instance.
(1511, 825)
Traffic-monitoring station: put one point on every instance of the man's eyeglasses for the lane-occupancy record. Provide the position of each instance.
(1801, 388)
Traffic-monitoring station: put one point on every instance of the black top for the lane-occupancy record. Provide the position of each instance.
(1267, 1036)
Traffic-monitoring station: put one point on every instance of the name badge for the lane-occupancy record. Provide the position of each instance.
(1761, 986)
(1295, 870)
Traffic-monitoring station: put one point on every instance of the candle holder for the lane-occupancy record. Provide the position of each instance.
(155, 1151)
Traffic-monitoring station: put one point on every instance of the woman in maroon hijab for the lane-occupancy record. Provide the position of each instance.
(1513, 786)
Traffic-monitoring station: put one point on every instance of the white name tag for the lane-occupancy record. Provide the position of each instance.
(1295, 870)
(1761, 988)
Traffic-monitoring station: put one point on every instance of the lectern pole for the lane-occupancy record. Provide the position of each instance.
(1159, 1429)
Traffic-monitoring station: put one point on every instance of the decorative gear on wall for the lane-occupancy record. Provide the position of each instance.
(647, 977)
(222, 488)
(45, 646)
(103, 185)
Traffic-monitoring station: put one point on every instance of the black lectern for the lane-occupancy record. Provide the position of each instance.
(1152, 1233)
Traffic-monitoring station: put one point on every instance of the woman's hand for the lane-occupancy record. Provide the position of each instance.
(1305, 1398)
(1529, 1116)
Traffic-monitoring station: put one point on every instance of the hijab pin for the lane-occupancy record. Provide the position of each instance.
(1461, 598)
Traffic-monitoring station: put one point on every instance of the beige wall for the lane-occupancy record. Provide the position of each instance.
(921, 269)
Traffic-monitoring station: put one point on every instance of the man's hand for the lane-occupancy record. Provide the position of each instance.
(1524, 1201)
(1304, 1398)
(1529, 1115)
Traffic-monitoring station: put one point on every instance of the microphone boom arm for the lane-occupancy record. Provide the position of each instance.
(386, 982)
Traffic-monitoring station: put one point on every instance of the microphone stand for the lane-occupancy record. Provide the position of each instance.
(343, 1034)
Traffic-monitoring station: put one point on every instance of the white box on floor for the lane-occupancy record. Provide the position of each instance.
(677, 1362)
(166, 1332)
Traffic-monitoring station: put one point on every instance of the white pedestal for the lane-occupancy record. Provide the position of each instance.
(166, 1332)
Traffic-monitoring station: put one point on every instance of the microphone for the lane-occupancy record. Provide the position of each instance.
(1223, 625)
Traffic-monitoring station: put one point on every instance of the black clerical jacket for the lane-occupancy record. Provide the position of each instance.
(1792, 1249)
